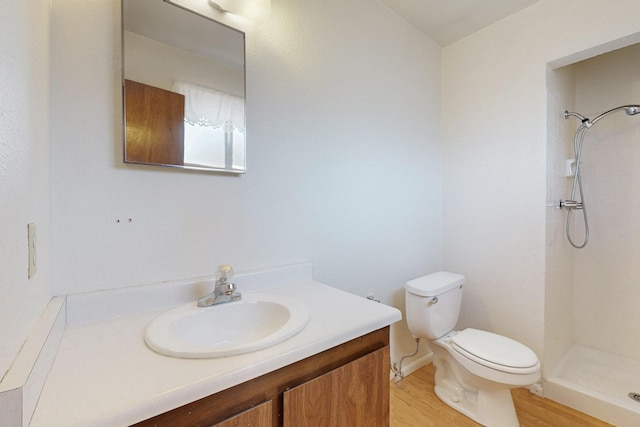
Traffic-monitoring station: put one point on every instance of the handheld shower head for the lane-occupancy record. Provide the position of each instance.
(632, 110)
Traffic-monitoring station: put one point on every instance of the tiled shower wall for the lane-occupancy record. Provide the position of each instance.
(559, 256)
(606, 283)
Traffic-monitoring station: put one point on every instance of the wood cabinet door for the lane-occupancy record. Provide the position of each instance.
(154, 125)
(354, 395)
(260, 416)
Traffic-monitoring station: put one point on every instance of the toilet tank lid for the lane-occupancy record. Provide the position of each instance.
(434, 284)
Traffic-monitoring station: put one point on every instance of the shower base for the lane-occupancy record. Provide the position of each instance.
(598, 384)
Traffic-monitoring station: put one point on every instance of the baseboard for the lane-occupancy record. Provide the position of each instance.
(412, 366)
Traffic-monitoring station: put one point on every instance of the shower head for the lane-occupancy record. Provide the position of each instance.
(632, 110)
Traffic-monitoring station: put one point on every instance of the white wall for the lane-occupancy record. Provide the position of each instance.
(495, 158)
(344, 158)
(24, 169)
(606, 291)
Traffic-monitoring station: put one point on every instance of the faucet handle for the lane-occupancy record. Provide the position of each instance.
(224, 273)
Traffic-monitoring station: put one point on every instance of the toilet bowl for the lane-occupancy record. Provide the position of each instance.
(475, 369)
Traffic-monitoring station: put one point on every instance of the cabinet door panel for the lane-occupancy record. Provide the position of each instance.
(260, 416)
(154, 125)
(354, 395)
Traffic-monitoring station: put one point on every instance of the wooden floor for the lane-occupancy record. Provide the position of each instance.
(414, 403)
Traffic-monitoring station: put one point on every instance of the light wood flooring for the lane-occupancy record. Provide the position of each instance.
(414, 404)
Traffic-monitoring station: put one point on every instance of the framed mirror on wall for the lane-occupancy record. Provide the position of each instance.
(183, 88)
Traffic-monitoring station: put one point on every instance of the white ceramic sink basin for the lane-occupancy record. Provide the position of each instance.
(257, 321)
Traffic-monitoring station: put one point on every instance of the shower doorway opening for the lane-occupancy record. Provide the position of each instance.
(592, 302)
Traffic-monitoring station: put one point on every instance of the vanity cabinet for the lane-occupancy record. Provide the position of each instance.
(347, 385)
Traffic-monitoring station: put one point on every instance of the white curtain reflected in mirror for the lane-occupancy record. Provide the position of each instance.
(214, 127)
(218, 148)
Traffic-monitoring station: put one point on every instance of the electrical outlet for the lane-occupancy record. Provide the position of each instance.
(31, 241)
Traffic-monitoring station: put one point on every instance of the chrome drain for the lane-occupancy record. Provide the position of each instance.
(635, 396)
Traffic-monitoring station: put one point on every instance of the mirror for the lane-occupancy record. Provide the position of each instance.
(183, 88)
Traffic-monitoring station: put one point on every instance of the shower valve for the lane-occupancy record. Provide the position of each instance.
(570, 204)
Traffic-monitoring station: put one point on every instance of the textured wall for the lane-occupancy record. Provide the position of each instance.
(495, 153)
(24, 169)
(343, 157)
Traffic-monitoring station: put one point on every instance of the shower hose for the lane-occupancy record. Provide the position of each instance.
(577, 186)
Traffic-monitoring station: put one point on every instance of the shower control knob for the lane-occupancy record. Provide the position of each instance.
(570, 204)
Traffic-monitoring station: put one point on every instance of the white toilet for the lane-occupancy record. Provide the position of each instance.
(475, 369)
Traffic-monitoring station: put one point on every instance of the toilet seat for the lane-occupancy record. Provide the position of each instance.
(495, 351)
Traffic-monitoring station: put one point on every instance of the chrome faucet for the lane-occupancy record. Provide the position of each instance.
(224, 291)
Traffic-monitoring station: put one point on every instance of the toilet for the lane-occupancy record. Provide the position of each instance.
(475, 369)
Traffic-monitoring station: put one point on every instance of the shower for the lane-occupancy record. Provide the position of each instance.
(579, 203)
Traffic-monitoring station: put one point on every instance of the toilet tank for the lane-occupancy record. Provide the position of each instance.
(433, 304)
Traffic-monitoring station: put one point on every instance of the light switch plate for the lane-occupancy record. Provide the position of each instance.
(31, 238)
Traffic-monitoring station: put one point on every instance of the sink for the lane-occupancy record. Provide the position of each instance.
(257, 321)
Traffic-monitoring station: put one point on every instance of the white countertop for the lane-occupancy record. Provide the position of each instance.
(105, 375)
